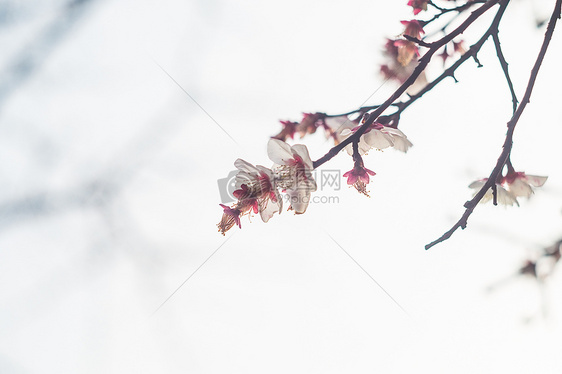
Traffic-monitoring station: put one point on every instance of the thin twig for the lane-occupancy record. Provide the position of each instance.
(507, 146)
(424, 61)
(504, 66)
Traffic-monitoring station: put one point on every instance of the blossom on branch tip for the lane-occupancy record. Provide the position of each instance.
(292, 172)
(256, 193)
(413, 28)
(256, 190)
(358, 177)
(418, 5)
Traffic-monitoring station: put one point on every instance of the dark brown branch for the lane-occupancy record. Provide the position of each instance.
(417, 41)
(450, 71)
(443, 11)
(504, 66)
(424, 61)
(507, 146)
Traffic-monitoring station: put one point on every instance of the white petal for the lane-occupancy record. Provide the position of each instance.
(268, 208)
(245, 166)
(505, 197)
(266, 171)
(402, 144)
(378, 139)
(487, 196)
(339, 123)
(309, 184)
(394, 132)
(302, 151)
(520, 188)
(535, 180)
(477, 184)
(244, 178)
(279, 151)
(349, 149)
(363, 147)
(299, 200)
(346, 132)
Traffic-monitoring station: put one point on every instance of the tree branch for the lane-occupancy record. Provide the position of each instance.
(507, 146)
(504, 66)
(423, 62)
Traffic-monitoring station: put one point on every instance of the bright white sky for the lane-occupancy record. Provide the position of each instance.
(109, 198)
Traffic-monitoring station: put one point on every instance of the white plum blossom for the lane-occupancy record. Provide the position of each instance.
(255, 191)
(292, 172)
(379, 137)
(510, 187)
(504, 196)
(257, 183)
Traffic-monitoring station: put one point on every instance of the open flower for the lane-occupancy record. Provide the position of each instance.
(358, 177)
(292, 172)
(256, 189)
(256, 193)
(504, 196)
(380, 137)
(513, 185)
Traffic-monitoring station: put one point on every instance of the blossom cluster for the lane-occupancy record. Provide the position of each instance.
(258, 188)
(402, 53)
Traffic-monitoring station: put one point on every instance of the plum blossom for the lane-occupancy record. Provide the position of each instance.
(230, 217)
(292, 172)
(504, 196)
(418, 5)
(310, 122)
(394, 67)
(380, 137)
(256, 192)
(337, 125)
(288, 131)
(413, 28)
(510, 187)
(358, 177)
(407, 50)
(257, 187)
(521, 184)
